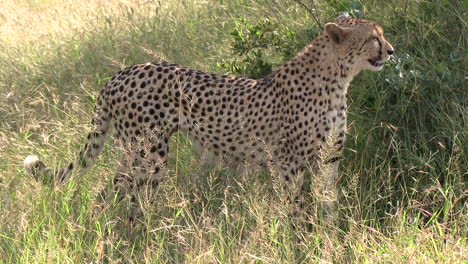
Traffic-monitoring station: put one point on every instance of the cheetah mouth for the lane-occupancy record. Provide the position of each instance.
(376, 63)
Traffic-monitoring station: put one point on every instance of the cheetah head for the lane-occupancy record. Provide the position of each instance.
(360, 42)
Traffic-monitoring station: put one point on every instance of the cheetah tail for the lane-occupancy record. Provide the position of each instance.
(88, 155)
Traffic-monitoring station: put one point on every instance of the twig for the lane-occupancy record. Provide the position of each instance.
(311, 11)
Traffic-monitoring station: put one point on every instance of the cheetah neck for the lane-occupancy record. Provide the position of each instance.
(316, 72)
(322, 55)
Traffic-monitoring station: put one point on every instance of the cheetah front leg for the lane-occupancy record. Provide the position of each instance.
(291, 177)
(324, 170)
(324, 188)
(326, 175)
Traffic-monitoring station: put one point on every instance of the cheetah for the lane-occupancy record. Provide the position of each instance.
(282, 119)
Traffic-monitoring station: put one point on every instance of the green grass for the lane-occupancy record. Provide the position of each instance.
(402, 190)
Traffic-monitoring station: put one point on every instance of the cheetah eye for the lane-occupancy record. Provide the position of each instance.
(375, 38)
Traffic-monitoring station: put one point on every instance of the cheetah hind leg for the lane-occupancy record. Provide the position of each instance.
(138, 176)
(121, 185)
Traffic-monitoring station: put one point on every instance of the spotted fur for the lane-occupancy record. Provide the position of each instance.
(284, 118)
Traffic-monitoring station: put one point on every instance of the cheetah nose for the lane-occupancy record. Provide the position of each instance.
(390, 52)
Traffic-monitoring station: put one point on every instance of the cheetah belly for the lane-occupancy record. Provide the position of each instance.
(209, 157)
(206, 154)
(250, 152)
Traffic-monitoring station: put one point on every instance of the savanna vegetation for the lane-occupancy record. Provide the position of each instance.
(402, 193)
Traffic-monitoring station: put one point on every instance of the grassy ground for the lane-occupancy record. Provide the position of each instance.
(402, 193)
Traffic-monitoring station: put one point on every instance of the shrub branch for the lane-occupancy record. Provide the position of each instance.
(312, 11)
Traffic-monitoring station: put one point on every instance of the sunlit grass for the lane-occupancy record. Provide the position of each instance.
(402, 193)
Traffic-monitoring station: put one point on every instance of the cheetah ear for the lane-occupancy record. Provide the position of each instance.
(335, 32)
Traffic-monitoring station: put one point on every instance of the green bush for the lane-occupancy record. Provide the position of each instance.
(252, 43)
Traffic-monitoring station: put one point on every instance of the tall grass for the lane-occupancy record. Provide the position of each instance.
(402, 190)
